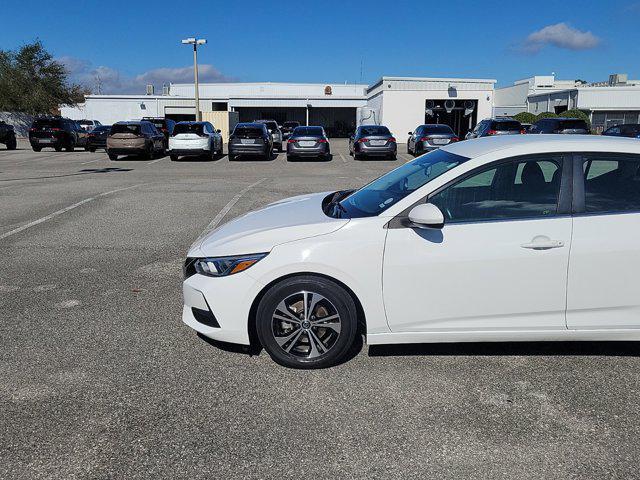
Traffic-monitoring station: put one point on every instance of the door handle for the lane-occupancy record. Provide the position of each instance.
(542, 242)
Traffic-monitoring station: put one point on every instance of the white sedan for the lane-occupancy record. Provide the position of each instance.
(519, 238)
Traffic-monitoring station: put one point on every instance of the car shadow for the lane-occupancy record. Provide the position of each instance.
(600, 349)
(199, 159)
(328, 158)
(255, 349)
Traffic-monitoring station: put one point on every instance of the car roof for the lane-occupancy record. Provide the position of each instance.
(191, 122)
(527, 144)
(250, 124)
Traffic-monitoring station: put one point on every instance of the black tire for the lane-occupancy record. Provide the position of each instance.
(394, 157)
(174, 158)
(148, 153)
(232, 157)
(357, 156)
(58, 148)
(37, 149)
(290, 158)
(337, 344)
(71, 145)
(268, 155)
(12, 143)
(112, 156)
(92, 149)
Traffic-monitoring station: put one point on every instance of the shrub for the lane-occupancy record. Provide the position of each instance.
(542, 115)
(579, 114)
(525, 117)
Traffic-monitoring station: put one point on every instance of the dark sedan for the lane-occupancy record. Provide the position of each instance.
(430, 137)
(372, 141)
(309, 142)
(97, 138)
(630, 130)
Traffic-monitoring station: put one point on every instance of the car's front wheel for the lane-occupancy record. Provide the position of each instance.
(307, 322)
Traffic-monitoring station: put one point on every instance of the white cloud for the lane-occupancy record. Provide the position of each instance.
(109, 80)
(560, 35)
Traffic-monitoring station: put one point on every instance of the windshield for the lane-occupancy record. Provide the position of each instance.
(374, 130)
(379, 195)
(507, 126)
(126, 128)
(197, 128)
(248, 132)
(572, 125)
(47, 123)
(429, 129)
(308, 132)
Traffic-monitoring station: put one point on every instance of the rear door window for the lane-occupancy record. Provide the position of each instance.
(507, 126)
(248, 132)
(125, 128)
(611, 183)
(308, 132)
(197, 128)
(437, 129)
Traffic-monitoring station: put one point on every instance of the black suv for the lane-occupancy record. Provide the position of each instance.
(496, 126)
(8, 135)
(288, 128)
(565, 126)
(164, 125)
(56, 132)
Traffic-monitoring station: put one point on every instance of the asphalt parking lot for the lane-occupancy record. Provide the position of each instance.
(100, 378)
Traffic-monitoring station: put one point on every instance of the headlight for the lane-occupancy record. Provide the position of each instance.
(220, 266)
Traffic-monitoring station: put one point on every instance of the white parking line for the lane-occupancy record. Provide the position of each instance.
(229, 206)
(93, 161)
(64, 210)
(155, 161)
(342, 157)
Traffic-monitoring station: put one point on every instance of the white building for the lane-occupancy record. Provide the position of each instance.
(400, 103)
(514, 98)
(608, 103)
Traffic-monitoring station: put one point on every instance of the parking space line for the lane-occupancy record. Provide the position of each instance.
(230, 205)
(342, 157)
(92, 161)
(64, 210)
(154, 161)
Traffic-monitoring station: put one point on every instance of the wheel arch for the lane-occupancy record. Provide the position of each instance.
(251, 321)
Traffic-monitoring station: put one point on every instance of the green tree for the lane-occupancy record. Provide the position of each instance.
(31, 81)
(546, 115)
(577, 114)
(525, 117)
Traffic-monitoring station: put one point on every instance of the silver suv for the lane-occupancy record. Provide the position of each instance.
(275, 132)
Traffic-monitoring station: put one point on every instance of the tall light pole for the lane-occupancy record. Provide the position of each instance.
(195, 42)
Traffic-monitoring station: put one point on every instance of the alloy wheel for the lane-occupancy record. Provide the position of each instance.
(306, 325)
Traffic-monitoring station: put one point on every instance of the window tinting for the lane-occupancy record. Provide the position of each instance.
(197, 128)
(47, 123)
(572, 125)
(125, 128)
(522, 188)
(427, 129)
(374, 130)
(612, 183)
(248, 132)
(308, 131)
(507, 126)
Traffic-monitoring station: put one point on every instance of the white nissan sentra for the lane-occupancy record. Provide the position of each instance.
(519, 238)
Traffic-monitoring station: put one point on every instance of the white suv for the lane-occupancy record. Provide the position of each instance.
(195, 139)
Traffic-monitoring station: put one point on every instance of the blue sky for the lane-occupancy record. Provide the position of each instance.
(127, 44)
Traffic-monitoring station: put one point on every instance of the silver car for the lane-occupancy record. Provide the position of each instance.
(430, 137)
(275, 132)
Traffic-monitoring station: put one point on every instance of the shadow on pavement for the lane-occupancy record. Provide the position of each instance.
(607, 349)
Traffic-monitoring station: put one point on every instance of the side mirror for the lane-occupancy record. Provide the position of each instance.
(218, 131)
(410, 133)
(426, 215)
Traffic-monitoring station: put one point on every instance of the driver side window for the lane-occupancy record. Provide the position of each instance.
(518, 189)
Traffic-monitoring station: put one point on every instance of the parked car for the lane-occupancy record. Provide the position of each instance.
(288, 128)
(97, 138)
(483, 241)
(88, 125)
(308, 142)
(496, 126)
(430, 137)
(275, 132)
(199, 139)
(8, 135)
(164, 125)
(565, 126)
(56, 132)
(631, 130)
(252, 139)
(135, 138)
(372, 141)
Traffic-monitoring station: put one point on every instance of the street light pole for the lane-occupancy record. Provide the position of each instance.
(195, 42)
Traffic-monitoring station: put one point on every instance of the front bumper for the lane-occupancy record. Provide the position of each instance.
(229, 299)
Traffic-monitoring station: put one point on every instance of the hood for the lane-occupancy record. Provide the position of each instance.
(259, 231)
